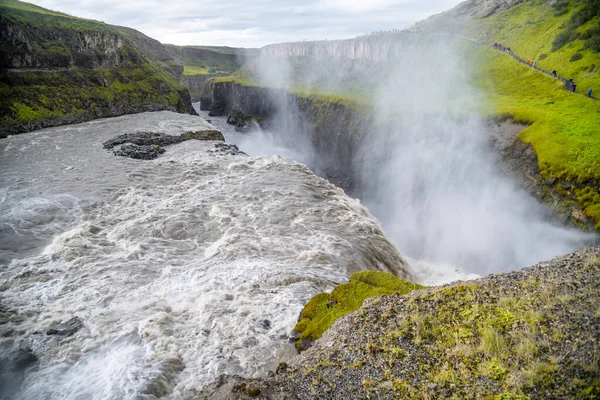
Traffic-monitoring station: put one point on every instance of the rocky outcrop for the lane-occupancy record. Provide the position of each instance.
(149, 145)
(520, 161)
(56, 70)
(452, 20)
(527, 334)
(196, 85)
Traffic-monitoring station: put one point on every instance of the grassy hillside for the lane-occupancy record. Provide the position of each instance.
(197, 60)
(562, 37)
(563, 126)
(57, 69)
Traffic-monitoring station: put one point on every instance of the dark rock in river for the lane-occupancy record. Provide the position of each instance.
(147, 145)
(162, 139)
(139, 152)
(225, 148)
(68, 328)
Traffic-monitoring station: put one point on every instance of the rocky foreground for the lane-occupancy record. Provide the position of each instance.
(529, 334)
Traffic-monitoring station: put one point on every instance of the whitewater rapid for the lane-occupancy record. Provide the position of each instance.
(180, 269)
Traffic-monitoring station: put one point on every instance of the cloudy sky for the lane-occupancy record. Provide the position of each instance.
(254, 23)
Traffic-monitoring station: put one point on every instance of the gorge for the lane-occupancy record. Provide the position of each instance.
(179, 270)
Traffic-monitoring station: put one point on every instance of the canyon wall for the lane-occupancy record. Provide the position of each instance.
(335, 127)
(384, 47)
(56, 69)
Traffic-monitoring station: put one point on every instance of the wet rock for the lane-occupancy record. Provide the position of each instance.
(66, 329)
(148, 145)
(162, 139)
(225, 148)
(24, 359)
(266, 324)
(139, 152)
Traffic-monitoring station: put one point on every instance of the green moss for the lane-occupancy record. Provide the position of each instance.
(31, 97)
(511, 336)
(190, 70)
(325, 308)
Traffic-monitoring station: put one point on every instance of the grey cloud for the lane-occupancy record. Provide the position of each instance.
(255, 23)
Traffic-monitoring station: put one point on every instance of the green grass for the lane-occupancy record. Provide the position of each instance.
(19, 5)
(190, 70)
(83, 91)
(325, 308)
(563, 126)
(528, 334)
(530, 29)
(40, 18)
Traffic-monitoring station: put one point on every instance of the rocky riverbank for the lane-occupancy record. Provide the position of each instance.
(530, 334)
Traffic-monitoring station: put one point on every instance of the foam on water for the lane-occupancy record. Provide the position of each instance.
(181, 268)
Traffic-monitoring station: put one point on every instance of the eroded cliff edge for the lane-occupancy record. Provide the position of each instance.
(56, 69)
(530, 334)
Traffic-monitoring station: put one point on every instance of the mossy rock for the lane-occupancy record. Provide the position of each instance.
(325, 308)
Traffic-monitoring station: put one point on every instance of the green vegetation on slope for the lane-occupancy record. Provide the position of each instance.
(325, 308)
(204, 60)
(563, 126)
(586, 11)
(530, 30)
(92, 71)
(190, 70)
(37, 99)
(38, 17)
(531, 334)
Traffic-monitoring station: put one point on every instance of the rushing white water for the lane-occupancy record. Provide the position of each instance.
(180, 268)
(425, 167)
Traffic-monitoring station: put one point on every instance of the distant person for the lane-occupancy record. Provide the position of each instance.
(529, 62)
(590, 92)
(554, 73)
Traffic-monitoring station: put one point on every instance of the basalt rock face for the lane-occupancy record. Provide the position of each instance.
(371, 48)
(56, 69)
(336, 129)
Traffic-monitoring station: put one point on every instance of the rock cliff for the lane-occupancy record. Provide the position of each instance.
(372, 47)
(335, 127)
(56, 69)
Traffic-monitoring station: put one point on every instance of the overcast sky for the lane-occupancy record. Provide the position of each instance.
(255, 23)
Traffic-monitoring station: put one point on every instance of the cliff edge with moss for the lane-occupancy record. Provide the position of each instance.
(531, 334)
(56, 69)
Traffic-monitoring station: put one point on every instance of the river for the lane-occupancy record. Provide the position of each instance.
(179, 269)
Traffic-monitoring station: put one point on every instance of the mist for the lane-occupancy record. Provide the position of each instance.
(426, 170)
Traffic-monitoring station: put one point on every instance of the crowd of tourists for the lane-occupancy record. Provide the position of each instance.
(570, 85)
